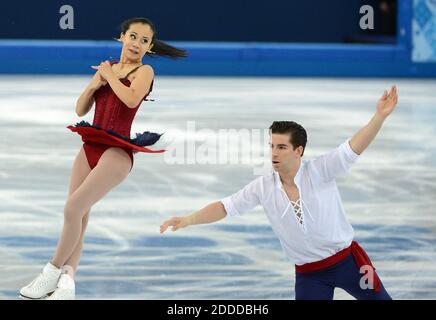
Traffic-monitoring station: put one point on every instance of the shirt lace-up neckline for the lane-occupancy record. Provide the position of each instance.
(298, 211)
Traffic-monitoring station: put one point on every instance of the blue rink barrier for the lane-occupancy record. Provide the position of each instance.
(220, 59)
(232, 59)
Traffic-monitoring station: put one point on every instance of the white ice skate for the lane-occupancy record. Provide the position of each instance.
(45, 283)
(65, 289)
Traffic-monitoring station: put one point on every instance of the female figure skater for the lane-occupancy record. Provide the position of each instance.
(303, 205)
(106, 157)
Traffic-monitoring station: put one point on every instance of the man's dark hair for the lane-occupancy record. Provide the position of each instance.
(298, 135)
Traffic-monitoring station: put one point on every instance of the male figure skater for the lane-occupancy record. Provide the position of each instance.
(303, 205)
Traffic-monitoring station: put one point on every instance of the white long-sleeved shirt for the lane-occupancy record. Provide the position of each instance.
(323, 228)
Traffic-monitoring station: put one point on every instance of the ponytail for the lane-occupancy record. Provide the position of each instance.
(159, 48)
(163, 49)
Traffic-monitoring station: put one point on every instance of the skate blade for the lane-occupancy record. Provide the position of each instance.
(28, 298)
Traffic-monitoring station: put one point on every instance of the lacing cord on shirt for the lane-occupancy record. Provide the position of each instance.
(298, 211)
(298, 206)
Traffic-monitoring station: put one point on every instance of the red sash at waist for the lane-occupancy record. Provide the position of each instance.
(359, 255)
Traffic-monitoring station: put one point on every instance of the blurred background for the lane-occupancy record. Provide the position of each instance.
(286, 38)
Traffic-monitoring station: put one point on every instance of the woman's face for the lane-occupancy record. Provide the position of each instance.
(137, 41)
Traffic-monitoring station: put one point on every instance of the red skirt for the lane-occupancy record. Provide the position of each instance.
(92, 134)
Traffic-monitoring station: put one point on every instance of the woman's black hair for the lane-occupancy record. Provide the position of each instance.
(160, 48)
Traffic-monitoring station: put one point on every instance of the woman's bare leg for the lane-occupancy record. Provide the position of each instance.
(79, 172)
(113, 167)
(72, 263)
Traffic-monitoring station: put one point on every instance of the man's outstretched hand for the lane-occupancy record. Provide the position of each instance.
(387, 102)
(175, 222)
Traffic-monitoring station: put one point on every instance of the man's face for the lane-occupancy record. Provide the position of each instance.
(283, 156)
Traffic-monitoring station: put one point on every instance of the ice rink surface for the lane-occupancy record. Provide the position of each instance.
(389, 195)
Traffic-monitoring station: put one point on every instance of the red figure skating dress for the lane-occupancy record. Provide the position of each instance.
(111, 126)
